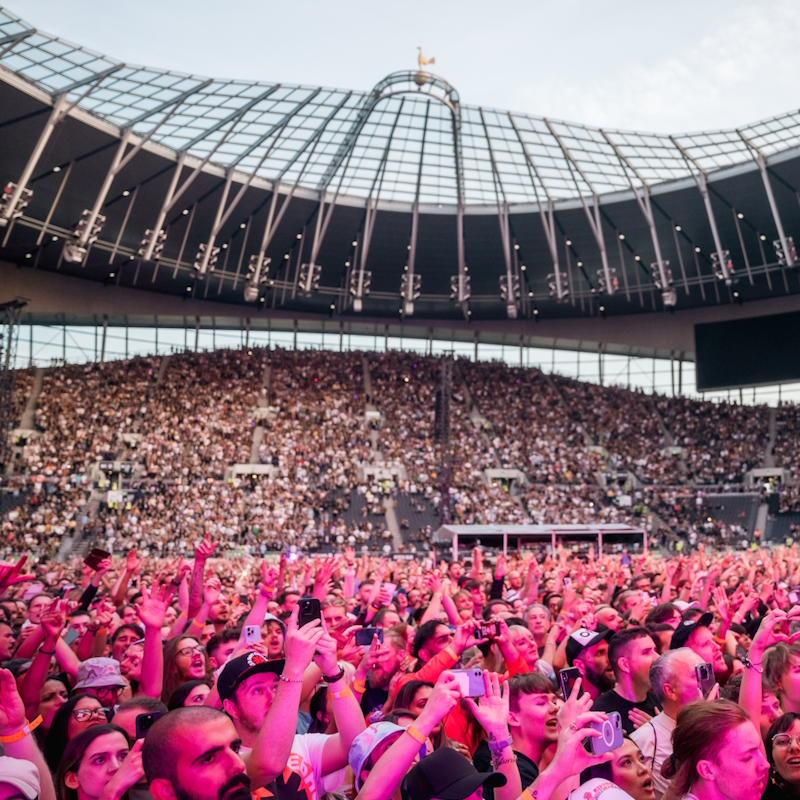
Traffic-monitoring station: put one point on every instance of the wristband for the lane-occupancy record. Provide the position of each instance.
(748, 663)
(415, 734)
(497, 747)
(183, 614)
(452, 652)
(290, 680)
(27, 728)
(200, 625)
(267, 591)
(102, 630)
(47, 652)
(360, 686)
(344, 693)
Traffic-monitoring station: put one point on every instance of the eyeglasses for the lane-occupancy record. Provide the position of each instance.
(784, 740)
(97, 691)
(188, 651)
(85, 714)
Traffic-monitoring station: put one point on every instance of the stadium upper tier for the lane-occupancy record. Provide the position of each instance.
(318, 200)
(409, 143)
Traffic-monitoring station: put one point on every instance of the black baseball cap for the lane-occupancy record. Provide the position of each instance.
(240, 668)
(446, 775)
(583, 638)
(684, 630)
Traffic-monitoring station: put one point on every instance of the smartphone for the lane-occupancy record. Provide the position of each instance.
(611, 734)
(243, 598)
(365, 635)
(566, 583)
(391, 587)
(95, 557)
(705, 677)
(145, 721)
(252, 633)
(794, 597)
(488, 630)
(568, 678)
(309, 611)
(470, 682)
(70, 636)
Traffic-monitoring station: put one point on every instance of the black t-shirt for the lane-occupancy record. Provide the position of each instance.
(611, 701)
(373, 700)
(528, 771)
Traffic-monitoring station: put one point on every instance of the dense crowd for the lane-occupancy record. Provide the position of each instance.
(219, 675)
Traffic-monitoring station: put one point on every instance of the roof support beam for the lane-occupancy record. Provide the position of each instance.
(593, 216)
(409, 288)
(645, 206)
(761, 160)
(547, 216)
(701, 178)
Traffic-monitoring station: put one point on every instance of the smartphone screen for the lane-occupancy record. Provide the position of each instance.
(705, 677)
(70, 636)
(145, 721)
(365, 635)
(95, 557)
(568, 678)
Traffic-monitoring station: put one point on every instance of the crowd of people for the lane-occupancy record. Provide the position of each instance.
(207, 674)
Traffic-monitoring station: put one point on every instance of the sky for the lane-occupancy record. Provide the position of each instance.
(665, 67)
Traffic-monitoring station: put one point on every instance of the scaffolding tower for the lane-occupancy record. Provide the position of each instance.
(8, 350)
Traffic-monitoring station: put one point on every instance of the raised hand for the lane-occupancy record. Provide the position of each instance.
(130, 772)
(465, 636)
(492, 712)
(12, 709)
(9, 574)
(300, 644)
(53, 621)
(446, 693)
(132, 561)
(154, 605)
(574, 706)
(571, 756)
(205, 549)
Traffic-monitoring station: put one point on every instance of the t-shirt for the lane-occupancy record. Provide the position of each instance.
(611, 701)
(301, 779)
(373, 700)
(655, 741)
(528, 771)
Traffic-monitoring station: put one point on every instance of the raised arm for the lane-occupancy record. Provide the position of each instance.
(151, 613)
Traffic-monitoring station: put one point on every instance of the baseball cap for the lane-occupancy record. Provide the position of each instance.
(581, 639)
(366, 742)
(684, 630)
(242, 667)
(95, 673)
(599, 789)
(273, 618)
(446, 775)
(683, 606)
(20, 774)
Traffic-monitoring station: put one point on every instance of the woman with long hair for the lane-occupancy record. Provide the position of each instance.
(412, 698)
(185, 659)
(76, 715)
(627, 769)
(99, 762)
(783, 753)
(192, 693)
(54, 694)
(716, 753)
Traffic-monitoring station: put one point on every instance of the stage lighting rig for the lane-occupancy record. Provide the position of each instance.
(559, 287)
(612, 276)
(5, 200)
(75, 252)
(782, 260)
(258, 273)
(309, 278)
(718, 271)
(206, 259)
(510, 295)
(460, 289)
(410, 290)
(158, 246)
(360, 281)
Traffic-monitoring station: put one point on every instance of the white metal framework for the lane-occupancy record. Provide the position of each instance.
(402, 145)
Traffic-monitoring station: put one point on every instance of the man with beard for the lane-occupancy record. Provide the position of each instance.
(379, 664)
(192, 753)
(262, 697)
(696, 635)
(588, 652)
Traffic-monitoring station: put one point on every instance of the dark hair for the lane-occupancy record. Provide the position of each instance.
(660, 614)
(281, 598)
(381, 614)
(149, 705)
(56, 741)
(692, 614)
(528, 683)
(487, 609)
(781, 725)
(135, 628)
(317, 705)
(424, 634)
(158, 753)
(778, 660)
(405, 696)
(602, 771)
(180, 695)
(471, 584)
(172, 679)
(699, 734)
(223, 637)
(619, 644)
(73, 753)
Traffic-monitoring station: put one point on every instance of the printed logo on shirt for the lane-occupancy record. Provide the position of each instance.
(296, 782)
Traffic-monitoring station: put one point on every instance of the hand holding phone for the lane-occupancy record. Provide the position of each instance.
(470, 682)
(611, 734)
(309, 611)
(252, 633)
(365, 635)
(568, 678)
(145, 721)
(95, 557)
(705, 678)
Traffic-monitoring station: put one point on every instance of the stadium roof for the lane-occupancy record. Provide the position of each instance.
(579, 208)
(300, 134)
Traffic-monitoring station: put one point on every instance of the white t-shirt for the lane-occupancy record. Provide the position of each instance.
(654, 739)
(302, 778)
